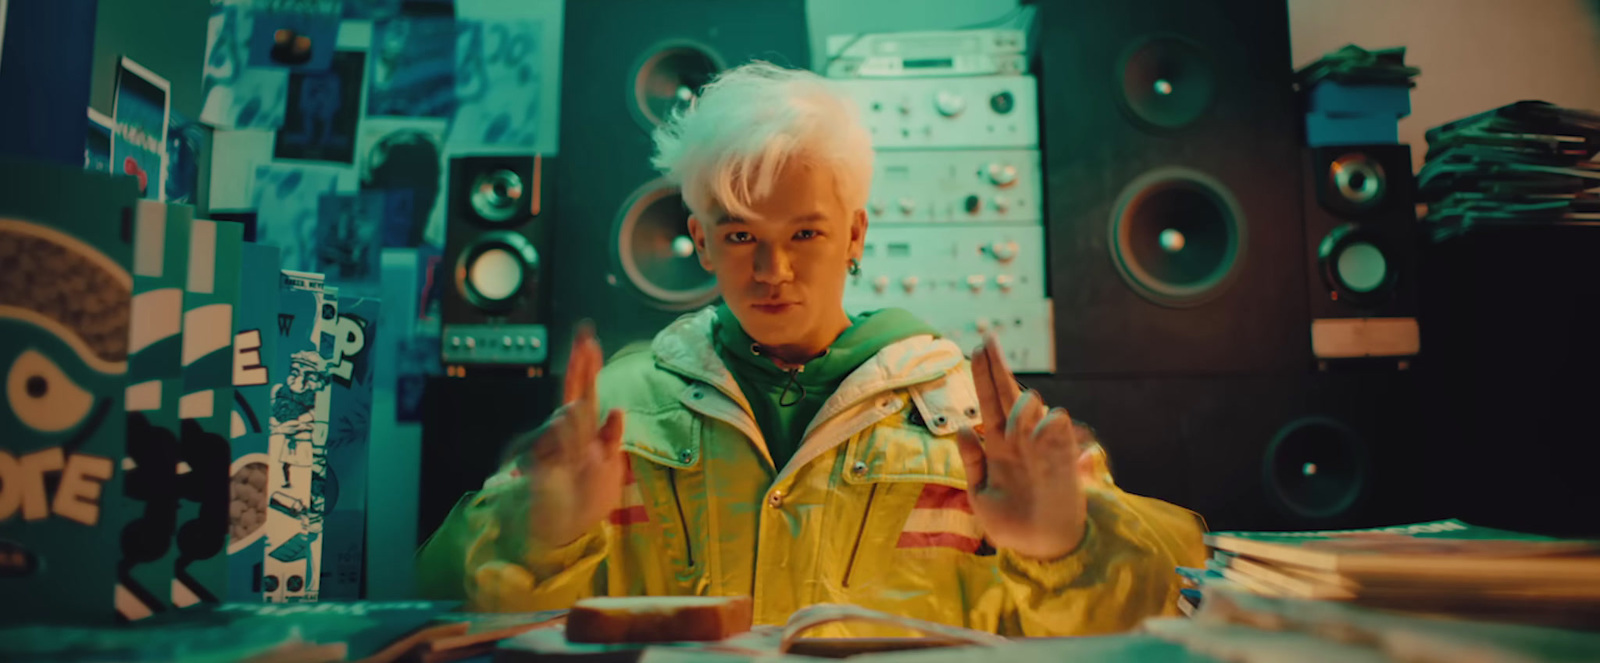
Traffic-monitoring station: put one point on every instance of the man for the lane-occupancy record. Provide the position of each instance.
(776, 447)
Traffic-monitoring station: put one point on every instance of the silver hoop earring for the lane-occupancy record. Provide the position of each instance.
(855, 267)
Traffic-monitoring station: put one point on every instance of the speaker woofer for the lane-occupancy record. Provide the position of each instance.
(668, 78)
(1177, 237)
(1316, 467)
(656, 253)
(1357, 265)
(496, 195)
(492, 271)
(1166, 82)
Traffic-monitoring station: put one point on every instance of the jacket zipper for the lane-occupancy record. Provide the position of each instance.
(850, 566)
(688, 548)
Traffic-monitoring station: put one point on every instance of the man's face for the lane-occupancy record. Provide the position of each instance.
(303, 380)
(782, 270)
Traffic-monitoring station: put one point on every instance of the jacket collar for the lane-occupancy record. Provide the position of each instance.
(686, 347)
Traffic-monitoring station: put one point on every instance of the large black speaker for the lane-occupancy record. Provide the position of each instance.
(624, 258)
(1173, 202)
(1361, 246)
(495, 302)
(1308, 451)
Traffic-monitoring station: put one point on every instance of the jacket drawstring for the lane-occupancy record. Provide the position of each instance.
(792, 383)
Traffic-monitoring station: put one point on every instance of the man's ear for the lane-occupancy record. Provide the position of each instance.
(858, 233)
(697, 232)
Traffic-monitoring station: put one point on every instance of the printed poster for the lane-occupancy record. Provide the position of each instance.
(297, 456)
(287, 199)
(255, 370)
(349, 241)
(70, 343)
(210, 299)
(238, 95)
(498, 84)
(323, 110)
(413, 66)
(345, 486)
(408, 155)
(139, 146)
(97, 147)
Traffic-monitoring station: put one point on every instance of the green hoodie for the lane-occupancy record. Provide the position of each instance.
(785, 401)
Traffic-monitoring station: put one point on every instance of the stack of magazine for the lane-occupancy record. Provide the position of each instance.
(1527, 163)
(1446, 568)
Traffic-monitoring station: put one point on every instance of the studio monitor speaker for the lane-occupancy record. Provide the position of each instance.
(1315, 450)
(495, 301)
(1173, 200)
(1361, 251)
(624, 258)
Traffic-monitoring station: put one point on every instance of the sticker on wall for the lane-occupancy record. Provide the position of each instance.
(298, 35)
(498, 85)
(323, 110)
(97, 144)
(413, 66)
(139, 144)
(237, 95)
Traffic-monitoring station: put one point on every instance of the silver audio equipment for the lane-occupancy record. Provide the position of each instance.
(955, 187)
(927, 54)
(964, 280)
(964, 113)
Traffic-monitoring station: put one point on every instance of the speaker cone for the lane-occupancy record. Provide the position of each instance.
(1357, 266)
(656, 252)
(1177, 237)
(497, 195)
(1167, 82)
(1356, 183)
(1316, 468)
(495, 269)
(670, 77)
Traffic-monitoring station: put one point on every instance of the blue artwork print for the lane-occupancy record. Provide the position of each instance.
(97, 146)
(138, 147)
(413, 68)
(183, 159)
(298, 35)
(286, 202)
(237, 95)
(349, 248)
(368, 10)
(324, 108)
(497, 84)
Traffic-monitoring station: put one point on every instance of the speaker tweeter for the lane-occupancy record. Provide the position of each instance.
(1166, 82)
(668, 78)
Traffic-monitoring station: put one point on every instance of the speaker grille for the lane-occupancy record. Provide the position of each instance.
(493, 270)
(1316, 468)
(1177, 237)
(669, 77)
(656, 253)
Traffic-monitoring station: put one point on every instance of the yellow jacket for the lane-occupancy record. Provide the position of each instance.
(870, 511)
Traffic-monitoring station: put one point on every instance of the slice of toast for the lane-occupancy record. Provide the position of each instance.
(633, 619)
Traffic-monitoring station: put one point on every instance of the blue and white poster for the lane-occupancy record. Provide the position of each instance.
(413, 68)
(349, 241)
(324, 108)
(139, 146)
(237, 95)
(498, 84)
(97, 143)
(368, 10)
(286, 202)
(298, 35)
(407, 155)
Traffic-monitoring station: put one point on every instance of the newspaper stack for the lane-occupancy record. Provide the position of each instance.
(1529, 163)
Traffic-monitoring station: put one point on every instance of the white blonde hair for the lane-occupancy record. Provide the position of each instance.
(727, 147)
